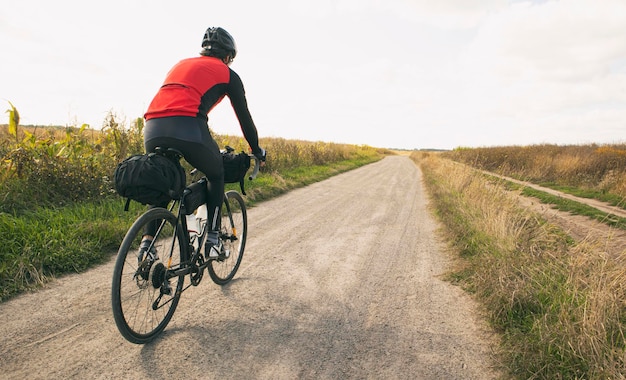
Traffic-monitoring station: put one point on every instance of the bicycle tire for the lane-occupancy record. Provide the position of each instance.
(234, 230)
(136, 287)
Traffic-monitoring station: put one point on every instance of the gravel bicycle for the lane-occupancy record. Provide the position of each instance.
(146, 290)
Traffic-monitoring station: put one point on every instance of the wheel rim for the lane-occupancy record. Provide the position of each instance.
(134, 295)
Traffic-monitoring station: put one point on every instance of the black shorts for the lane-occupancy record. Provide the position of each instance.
(191, 137)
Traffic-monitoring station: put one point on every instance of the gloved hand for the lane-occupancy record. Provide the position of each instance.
(260, 155)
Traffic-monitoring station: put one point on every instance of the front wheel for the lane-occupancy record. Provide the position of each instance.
(233, 234)
(144, 293)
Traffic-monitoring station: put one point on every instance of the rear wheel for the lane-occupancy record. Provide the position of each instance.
(144, 294)
(233, 235)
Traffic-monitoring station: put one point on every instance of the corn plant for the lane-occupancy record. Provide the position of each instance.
(14, 120)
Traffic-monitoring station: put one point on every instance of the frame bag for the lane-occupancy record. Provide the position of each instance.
(149, 179)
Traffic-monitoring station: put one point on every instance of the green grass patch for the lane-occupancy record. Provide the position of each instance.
(563, 204)
(577, 208)
(46, 242)
(612, 199)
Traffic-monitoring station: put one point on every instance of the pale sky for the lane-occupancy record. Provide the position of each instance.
(385, 73)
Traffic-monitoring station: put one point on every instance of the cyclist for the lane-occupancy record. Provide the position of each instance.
(177, 118)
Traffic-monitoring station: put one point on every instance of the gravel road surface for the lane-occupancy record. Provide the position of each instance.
(340, 280)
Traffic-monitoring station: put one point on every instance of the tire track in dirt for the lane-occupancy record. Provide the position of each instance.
(581, 228)
(599, 205)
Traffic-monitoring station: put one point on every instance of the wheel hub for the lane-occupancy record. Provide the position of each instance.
(157, 274)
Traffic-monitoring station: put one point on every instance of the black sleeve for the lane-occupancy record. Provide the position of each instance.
(237, 97)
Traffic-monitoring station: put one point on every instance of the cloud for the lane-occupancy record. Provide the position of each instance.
(566, 40)
(445, 14)
(442, 14)
(410, 73)
(532, 63)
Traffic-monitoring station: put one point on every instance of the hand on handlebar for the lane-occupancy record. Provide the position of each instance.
(261, 156)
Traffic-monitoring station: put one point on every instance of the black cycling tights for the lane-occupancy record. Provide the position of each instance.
(192, 138)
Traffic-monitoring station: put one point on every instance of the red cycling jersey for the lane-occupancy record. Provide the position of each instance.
(191, 88)
(194, 86)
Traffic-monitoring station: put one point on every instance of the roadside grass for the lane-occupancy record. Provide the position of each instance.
(42, 243)
(57, 191)
(559, 305)
(45, 243)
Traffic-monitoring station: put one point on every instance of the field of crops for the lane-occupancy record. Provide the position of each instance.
(600, 170)
(59, 212)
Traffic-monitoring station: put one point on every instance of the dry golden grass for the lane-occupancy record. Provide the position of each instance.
(560, 305)
(600, 168)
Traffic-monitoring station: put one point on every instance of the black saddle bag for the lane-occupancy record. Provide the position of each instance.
(152, 179)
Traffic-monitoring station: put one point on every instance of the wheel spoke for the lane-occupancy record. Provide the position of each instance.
(135, 290)
(233, 235)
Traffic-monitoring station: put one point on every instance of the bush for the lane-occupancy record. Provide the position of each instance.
(59, 166)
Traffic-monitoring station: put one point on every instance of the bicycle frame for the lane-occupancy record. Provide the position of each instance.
(188, 264)
(147, 283)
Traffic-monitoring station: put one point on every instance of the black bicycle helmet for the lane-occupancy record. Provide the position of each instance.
(217, 42)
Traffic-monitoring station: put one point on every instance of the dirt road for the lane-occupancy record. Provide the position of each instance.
(341, 280)
(605, 238)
